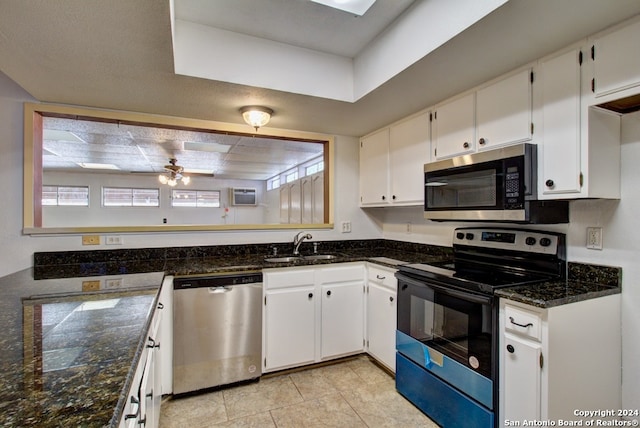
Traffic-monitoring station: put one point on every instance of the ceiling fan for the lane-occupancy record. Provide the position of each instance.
(174, 173)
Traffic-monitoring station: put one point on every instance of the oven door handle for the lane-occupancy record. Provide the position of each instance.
(469, 297)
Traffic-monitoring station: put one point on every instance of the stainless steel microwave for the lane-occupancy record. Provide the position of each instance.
(495, 185)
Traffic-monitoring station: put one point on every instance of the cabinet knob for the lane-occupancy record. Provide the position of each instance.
(549, 183)
(393, 197)
(328, 292)
(391, 298)
(310, 295)
(465, 145)
(511, 349)
(384, 197)
(482, 141)
(160, 305)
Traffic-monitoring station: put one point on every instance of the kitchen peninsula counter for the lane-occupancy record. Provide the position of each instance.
(69, 345)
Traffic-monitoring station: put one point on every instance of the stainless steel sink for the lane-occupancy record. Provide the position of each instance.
(285, 259)
(320, 257)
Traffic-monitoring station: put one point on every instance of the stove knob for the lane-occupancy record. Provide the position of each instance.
(545, 242)
(530, 240)
(469, 236)
(460, 235)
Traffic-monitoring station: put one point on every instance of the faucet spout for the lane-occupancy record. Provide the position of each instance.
(297, 240)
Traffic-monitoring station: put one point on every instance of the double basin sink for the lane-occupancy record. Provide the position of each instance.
(289, 259)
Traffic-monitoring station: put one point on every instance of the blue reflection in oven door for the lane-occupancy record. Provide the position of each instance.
(458, 375)
(444, 404)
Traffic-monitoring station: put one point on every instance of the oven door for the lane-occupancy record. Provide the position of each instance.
(450, 333)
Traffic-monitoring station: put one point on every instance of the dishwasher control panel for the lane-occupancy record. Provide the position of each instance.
(217, 280)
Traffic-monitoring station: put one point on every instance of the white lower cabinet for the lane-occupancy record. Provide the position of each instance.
(142, 408)
(554, 361)
(312, 314)
(382, 291)
(289, 335)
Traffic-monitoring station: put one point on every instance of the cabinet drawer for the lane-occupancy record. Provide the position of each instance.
(383, 277)
(523, 322)
(287, 278)
(344, 273)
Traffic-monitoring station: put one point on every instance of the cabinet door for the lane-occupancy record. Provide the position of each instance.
(312, 187)
(317, 209)
(381, 324)
(560, 165)
(453, 127)
(503, 111)
(374, 169)
(617, 60)
(306, 206)
(289, 330)
(284, 204)
(342, 315)
(409, 150)
(522, 377)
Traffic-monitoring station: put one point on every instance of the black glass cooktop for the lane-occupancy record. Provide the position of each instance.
(484, 280)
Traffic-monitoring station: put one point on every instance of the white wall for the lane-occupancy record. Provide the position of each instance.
(17, 249)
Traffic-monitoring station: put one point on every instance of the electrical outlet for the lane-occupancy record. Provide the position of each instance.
(594, 238)
(113, 240)
(346, 227)
(90, 239)
(113, 283)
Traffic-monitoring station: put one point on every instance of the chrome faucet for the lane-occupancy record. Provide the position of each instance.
(297, 240)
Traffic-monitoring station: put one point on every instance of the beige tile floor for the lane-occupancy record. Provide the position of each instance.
(351, 393)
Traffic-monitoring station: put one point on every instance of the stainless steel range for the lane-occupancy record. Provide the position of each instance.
(446, 342)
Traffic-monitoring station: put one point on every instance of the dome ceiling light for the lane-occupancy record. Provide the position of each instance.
(256, 116)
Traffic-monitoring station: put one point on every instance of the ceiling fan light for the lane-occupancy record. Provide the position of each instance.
(172, 182)
(186, 179)
(163, 179)
(256, 116)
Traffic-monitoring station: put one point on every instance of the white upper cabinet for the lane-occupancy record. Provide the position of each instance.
(559, 159)
(392, 163)
(409, 150)
(374, 169)
(616, 58)
(503, 111)
(579, 153)
(496, 115)
(454, 127)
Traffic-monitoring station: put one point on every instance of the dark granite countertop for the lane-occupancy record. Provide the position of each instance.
(584, 282)
(65, 366)
(70, 347)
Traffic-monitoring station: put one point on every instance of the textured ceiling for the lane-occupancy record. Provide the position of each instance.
(117, 54)
(141, 149)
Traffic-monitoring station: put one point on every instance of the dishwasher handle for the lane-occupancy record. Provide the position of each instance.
(220, 289)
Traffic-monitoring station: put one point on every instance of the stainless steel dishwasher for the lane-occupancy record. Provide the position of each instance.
(217, 322)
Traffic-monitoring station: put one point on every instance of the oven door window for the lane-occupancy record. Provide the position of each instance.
(457, 328)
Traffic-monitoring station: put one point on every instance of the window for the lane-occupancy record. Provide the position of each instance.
(274, 183)
(316, 167)
(65, 196)
(291, 176)
(126, 197)
(195, 198)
